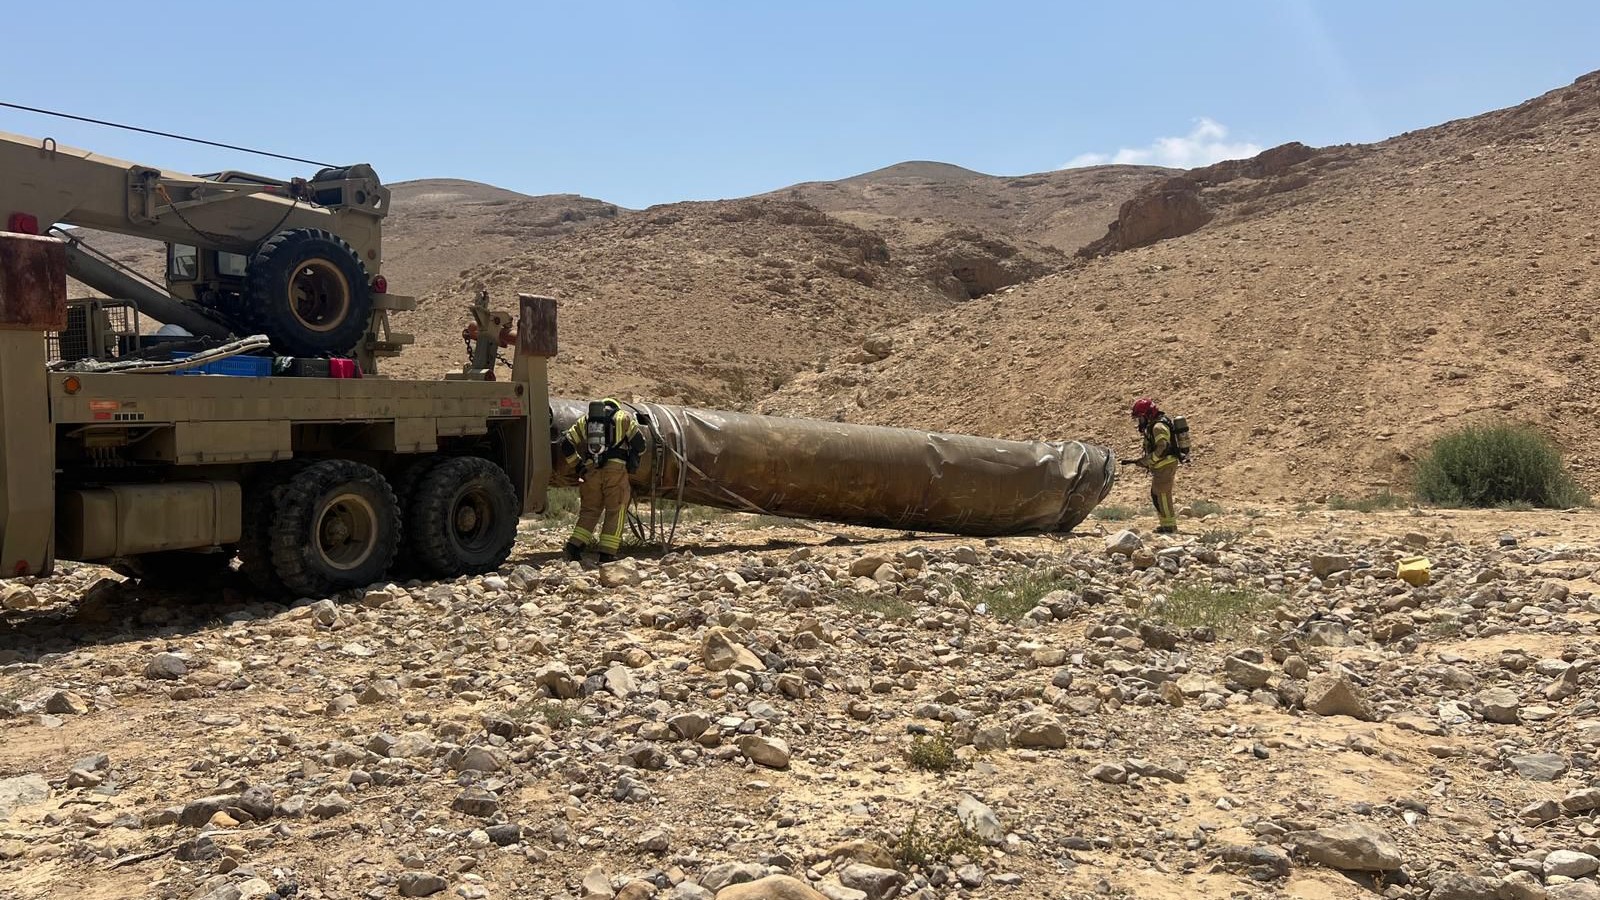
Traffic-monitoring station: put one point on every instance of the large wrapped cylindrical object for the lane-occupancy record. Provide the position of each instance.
(864, 475)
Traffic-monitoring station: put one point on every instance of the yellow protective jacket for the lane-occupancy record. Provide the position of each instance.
(1158, 452)
(623, 433)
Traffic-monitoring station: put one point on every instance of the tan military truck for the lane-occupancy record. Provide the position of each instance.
(315, 484)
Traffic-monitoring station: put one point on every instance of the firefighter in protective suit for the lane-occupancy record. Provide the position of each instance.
(1160, 458)
(604, 445)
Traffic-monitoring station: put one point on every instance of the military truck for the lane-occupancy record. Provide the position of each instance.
(315, 484)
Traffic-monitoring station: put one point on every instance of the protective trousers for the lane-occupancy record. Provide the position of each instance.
(605, 491)
(1161, 481)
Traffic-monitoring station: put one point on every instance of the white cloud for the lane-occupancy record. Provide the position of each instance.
(1207, 142)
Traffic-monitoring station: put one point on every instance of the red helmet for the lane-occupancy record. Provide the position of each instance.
(1144, 408)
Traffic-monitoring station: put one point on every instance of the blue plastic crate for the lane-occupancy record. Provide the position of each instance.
(238, 366)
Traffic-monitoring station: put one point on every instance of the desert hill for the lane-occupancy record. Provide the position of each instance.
(720, 302)
(1064, 209)
(1335, 313)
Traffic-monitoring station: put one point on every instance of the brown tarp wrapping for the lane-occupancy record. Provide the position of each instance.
(863, 475)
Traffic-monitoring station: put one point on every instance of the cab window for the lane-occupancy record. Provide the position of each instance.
(183, 262)
(231, 265)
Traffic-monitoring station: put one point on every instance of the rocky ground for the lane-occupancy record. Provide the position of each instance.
(1258, 707)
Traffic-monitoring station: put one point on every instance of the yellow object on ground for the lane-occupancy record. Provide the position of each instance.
(1415, 570)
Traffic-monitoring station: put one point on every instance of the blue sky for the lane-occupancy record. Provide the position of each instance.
(651, 102)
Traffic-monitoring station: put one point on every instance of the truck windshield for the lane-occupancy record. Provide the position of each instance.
(182, 261)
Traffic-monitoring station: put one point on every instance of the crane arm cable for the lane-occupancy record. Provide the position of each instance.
(165, 134)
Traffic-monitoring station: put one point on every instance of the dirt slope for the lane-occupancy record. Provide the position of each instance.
(1329, 321)
(719, 303)
(1064, 209)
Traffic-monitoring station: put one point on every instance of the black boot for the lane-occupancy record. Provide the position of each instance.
(605, 557)
(574, 551)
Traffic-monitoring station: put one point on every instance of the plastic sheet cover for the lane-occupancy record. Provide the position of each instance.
(863, 475)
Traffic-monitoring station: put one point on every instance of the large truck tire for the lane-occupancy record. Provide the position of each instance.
(335, 525)
(405, 480)
(307, 290)
(462, 518)
(255, 530)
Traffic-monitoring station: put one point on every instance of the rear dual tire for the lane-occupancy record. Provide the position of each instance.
(314, 529)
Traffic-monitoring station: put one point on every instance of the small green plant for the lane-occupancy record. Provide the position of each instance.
(1203, 508)
(1384, 499)
(892, 608)
(1011, 599)
(1253, 513)
(561, 503)
(920, 847)
(1112, 513)
(1218, 536)
(691, 513)
(1489, 465)
(1449, 627)
(555, 714)
(934, 753)
(1225, 610)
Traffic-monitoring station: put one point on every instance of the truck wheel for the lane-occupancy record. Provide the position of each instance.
(335, 525)
(255, 538)
(307, 290)
(182, 569)
(462, 520)
(405, 483)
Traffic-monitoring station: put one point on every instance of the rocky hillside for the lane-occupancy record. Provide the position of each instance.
(720, 303)
(1064, 209)
(1336, 310)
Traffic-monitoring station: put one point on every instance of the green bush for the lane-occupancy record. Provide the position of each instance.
(1013, 598)
(934, 753)
(1112, 513)
(1497, 465)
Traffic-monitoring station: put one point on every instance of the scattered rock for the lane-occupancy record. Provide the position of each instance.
(1354, 847)
(1038, 730)
(1539, 766)
(1461, 886)
(420, 884)
(1499, 705)
(980, 820)
(18, 596)
(1570, 864)
(876, 883)
(1335, 695)
(772, 887)
(764, 751)
(24, 790)
(720, 650)
(1123, 543)
(167, 667)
